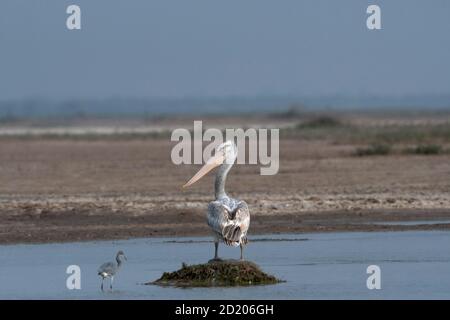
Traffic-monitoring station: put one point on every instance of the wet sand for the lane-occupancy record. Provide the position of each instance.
(84, 188)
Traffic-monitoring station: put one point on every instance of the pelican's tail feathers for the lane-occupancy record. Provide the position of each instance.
(232, 234)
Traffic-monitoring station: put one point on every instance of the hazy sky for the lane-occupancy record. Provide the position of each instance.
(174, 48)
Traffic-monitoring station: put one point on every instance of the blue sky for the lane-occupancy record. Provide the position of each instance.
(176, 48)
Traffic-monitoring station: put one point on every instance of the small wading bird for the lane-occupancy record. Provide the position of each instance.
(228, 218)
(110, 269)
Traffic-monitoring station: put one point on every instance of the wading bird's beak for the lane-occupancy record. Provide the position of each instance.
(125, 257)
(213, 162)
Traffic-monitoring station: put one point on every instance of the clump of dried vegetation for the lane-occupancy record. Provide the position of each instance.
(223, 273)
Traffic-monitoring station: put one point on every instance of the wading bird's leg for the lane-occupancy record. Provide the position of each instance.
(216, 247)
(242, 251)
(110, 285)
(102, 283)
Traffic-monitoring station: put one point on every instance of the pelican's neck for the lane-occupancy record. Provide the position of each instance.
(221, 177)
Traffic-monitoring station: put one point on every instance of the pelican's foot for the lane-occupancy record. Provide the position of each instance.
(215, 260)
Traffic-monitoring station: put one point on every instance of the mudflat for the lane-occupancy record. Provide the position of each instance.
(55, 189)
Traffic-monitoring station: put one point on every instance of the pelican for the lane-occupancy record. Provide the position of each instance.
(228, 218)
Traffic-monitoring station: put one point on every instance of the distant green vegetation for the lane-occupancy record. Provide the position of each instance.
(294, 111)
(426, 149)
(372, 139)
(333, 129)
(385, 149)
(374, 150)
(320, 122)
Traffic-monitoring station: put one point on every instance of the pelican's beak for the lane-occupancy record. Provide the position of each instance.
(212, 163)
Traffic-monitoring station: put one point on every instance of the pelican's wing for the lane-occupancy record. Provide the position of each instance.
(232, 226)
(235, 231)
(243, 217)
(217, 216)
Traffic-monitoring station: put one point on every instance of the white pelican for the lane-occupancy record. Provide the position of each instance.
(228, 218)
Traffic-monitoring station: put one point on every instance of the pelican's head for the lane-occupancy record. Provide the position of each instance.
(229, 151)
(120, 256)
(225, 153)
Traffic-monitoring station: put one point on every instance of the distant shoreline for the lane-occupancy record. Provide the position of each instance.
(89, 228)
(155, 108)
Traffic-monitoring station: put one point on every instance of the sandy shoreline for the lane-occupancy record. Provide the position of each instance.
(82, 219)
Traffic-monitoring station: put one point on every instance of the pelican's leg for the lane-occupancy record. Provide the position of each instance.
(102, 283)
(110, 285)
(216, 247)
(242, 251)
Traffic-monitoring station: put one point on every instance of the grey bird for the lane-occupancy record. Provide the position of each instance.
(228, 218)
(110, 269)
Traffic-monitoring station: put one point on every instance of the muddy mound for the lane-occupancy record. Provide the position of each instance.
(218, 273)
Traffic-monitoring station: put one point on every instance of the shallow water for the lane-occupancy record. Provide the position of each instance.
(326, 265)
(410, 223)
